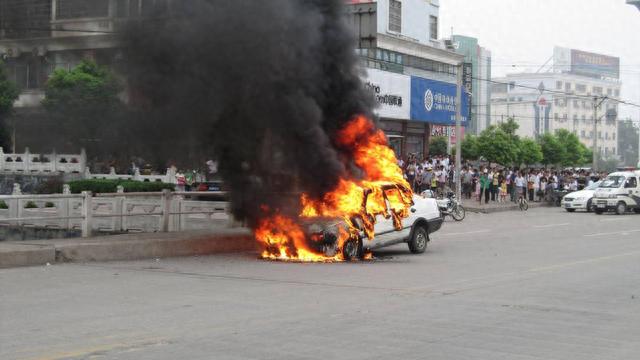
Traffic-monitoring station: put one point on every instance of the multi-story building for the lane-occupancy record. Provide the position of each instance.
(580, 88)
(39, 36)
(411, 72)
(480, 60)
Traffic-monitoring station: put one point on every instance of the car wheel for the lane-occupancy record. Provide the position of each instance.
(570, 210)
(621, 208)
(352, 250)
(589, 206)
(419, 240)
(636, 210)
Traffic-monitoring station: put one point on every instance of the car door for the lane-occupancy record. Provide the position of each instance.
(632, 189)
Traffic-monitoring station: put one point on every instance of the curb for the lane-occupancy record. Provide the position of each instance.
(124, 247)
(490, 210)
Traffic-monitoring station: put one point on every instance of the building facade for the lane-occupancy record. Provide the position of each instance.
(563, 98)
(480, 60)
(411, 73)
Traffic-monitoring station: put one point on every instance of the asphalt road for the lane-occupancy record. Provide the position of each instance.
(543, 284)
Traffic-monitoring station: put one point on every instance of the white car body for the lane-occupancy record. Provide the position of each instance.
(579, 200)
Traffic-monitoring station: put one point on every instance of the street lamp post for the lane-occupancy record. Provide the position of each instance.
(458, 126)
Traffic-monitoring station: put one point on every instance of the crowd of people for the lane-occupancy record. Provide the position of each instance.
(494, 183)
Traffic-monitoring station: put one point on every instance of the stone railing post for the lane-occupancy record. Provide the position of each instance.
(14, 204)
(166, 209)
(118, 207)
(87, 213)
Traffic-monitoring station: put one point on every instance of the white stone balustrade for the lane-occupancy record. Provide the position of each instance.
(37, 164)
(119, 212)
(169, 177)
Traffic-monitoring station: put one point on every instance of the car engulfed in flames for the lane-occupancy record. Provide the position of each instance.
(332, 228)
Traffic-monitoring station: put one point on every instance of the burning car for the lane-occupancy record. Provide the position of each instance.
(366, 210)
(424, 219)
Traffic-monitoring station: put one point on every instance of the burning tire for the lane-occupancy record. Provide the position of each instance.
(419, 240)
(352, 250)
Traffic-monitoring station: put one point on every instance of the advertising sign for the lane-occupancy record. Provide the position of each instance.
(435, 102)
(391, 91)
(587, 63)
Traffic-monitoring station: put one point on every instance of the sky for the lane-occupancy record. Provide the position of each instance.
(521, 34)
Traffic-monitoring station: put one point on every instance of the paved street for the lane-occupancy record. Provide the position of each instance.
(543, 284)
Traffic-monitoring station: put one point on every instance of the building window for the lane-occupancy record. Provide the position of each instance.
(75, 9)
(575, 104)
(581, 88)
(616, 92)
(567, 86)
(559, 85)
(395, 16)
(597, 90)
(582, 133)
(433, 27)
(613, 136)
(609, 92)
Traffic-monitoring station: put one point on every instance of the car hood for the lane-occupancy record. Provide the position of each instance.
(581, 193)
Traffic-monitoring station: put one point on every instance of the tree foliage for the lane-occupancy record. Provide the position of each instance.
(438, 146)
(497, 146)
(529, 152)
(628, 142)
(8, 95)
(469, 147)
(85, 105)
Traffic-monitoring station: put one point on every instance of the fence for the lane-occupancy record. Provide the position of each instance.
(53, 163)
(118, 212)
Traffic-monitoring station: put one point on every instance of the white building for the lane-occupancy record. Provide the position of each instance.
(562, 98)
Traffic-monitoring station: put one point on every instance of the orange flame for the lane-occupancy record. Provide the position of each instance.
(353, 198)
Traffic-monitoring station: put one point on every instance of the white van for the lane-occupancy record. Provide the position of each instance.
(619, 192)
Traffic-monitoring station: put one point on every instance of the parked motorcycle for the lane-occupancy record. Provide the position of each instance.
(449, 205)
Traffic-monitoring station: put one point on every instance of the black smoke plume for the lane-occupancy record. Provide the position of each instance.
(261, 86)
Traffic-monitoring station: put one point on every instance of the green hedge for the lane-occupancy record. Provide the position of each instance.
(110, 186)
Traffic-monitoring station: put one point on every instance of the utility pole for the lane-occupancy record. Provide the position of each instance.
(596, 153)
(458, 137)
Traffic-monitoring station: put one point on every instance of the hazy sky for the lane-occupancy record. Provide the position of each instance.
(524, 32)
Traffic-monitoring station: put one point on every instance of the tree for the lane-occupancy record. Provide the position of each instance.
(529, 152)
(438, 146)
(497, 146)
(510, 127)
(8, 95)
(573, 152)
(628, 142)
(469, 147)
(85, 105)
(552, 150)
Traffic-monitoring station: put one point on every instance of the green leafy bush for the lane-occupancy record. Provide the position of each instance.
(110, 186)
(3, 205)
(30, 205)
(49, 204)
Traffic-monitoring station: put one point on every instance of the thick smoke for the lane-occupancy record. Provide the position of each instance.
(259, 85)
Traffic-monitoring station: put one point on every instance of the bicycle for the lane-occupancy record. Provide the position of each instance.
(523, 204)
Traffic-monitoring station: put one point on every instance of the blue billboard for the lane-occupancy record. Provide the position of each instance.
(435, 102)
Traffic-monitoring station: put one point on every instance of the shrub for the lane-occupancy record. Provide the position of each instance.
(49, 204)
(3, 205)
(110, 186)
(30, 205)
(50, 186)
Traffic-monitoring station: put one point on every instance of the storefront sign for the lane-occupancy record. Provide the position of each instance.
(447, 131)
(391, 92)
(435, 102)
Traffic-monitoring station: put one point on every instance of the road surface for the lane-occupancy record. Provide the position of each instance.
(542, 284)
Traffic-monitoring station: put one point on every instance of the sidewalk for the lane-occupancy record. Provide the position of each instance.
(477, 207)
(124, 247)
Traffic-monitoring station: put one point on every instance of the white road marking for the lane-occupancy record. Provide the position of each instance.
(621, 232)
(549, 225)
(621, 218)
(467, 233)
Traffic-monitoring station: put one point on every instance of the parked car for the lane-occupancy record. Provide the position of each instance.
(619, 192)
(580, 200)
(424, 219)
